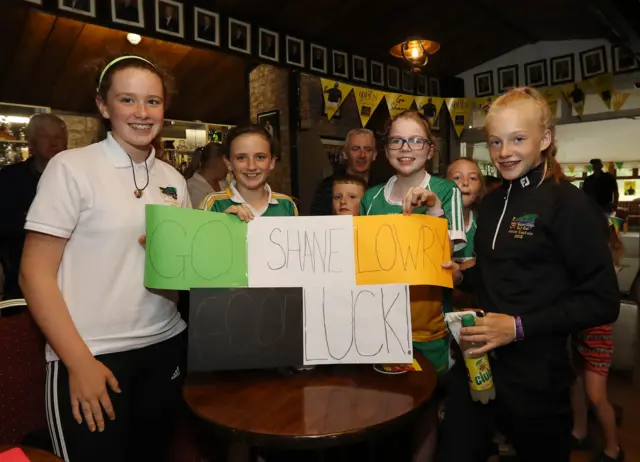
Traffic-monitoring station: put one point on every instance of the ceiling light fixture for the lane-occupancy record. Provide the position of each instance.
(415, 51)
(134, 39)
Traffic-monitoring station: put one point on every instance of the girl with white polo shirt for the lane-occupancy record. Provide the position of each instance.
(114, 347)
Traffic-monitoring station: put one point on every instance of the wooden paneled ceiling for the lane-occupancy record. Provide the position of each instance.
(51, 61)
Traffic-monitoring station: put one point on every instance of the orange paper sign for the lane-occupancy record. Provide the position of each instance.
(392, 249)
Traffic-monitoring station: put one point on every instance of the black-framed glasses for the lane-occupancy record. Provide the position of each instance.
(395, 143)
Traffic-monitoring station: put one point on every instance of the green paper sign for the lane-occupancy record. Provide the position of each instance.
(189, 248)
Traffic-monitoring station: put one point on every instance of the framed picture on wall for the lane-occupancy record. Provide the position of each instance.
(84, 7)
(359, 68)
(239, 36)
(562, 69)
(127, 12)
(408, 82)
(318, 58)
(507, 78)
(206, 26)
(593, 62)
(535, 73)
(434, 86)
(624, 60)
(268, 46)
(393, 77)
(270, 120)
(377, 73)
(484, 83)
(340, 64)
(421, 85)
(169, 18)
(294, 48)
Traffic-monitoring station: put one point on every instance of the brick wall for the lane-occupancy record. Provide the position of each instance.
(269, 90)
(82, 130)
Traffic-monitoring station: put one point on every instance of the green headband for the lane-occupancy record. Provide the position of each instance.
(116, 61)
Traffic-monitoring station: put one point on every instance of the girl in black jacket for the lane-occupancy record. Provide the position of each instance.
(543, 272)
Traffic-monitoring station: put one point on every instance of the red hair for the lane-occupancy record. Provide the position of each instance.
(547, 121)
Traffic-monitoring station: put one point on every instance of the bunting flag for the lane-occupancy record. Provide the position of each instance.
(572, 168)
(576, 94)
(367, 101)
(398, 103)
(429, 107)
(619, 99)
(460, 111)
(604, 86)
(482, 105)
(552, 95)
(334, 94)
(619, 165)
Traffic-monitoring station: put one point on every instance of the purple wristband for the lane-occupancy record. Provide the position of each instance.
(519, 329)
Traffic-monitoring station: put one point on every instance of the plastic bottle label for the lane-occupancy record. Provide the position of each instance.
(480, 377)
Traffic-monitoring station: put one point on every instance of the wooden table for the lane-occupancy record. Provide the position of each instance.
(324, 407)
(34, 455)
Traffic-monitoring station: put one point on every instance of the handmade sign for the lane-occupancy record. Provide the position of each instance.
(245, 329)
(301, 251)
(357, 324)
(402, 249)
(194, 248)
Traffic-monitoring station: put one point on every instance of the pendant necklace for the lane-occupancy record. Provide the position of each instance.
(138, 191)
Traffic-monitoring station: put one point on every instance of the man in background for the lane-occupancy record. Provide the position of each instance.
(602, 187)
(47, 136)
(359, 153)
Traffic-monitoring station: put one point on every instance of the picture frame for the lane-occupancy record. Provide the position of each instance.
(535, 73)
(318, 58)
(206, 31)
(239, 36)
(483, 83)
(268, 45)
(377, 73)
(408, 82)
(270, 120)
(421, 85)
(434, 86)
(359, 66)
(624, 60)
(393, 77)
(562, 69)
(593, 62)
(507, 78)
(83, 7)
(129, 12)
(340, 64)
(294, 51)
(170, 18)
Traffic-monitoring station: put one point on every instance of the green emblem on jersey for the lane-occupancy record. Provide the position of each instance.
(169, 191)
(531, 217)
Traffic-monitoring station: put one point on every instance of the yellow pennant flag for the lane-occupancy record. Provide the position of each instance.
(367, 100)
(334, 94)
(604, 86)
(398, 103)
(572, 168)
(483, 104)
(460, 112)
(429, 107)
(619, 99)
(552, 95)
(576, 94)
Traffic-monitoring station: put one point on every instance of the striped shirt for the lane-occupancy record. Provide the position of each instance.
(278, 205)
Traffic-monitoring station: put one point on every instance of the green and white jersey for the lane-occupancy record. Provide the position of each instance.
(470, 231)
(377, 201)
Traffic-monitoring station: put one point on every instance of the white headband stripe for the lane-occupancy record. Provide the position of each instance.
(117, 60)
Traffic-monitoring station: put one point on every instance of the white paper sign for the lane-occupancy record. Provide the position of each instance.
(300, 251)
(357, 324)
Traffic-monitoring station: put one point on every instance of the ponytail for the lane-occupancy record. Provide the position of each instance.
(201, 156)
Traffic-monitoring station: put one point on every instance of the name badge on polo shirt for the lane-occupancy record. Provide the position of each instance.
(169, 195)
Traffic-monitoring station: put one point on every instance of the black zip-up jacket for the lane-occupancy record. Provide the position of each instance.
(542, 255)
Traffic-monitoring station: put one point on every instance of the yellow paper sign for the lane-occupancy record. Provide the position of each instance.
(604, 86)
(430, 106)
(398, 249)
(398, 103)
(619, 99)
(334, 94)
(460, 112)
(367, 101)
(576, 94)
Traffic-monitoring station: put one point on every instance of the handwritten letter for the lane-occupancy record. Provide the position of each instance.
(193, 248)
(402, 249)
(357, 324)
(301, 251)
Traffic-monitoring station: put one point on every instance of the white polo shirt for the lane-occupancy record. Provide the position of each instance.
(87, 196)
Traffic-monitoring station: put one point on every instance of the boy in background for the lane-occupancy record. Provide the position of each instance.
(346, 195)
